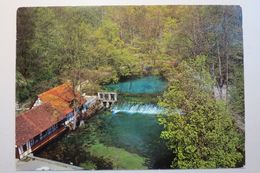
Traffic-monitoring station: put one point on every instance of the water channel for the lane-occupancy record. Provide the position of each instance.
(125, 137)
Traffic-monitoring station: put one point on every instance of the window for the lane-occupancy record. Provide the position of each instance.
(24, 148)
(112, 96)
(32, 142)
(41, 136)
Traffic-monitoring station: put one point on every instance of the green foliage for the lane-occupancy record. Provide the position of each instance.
(202, 133)
(53, 41)
(65, 43)
(119, 158)
(20, 80)
(88, 165)
(237, 92)
(23, 86)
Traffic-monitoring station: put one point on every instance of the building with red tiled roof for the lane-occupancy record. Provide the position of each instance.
(36, 126)
(46, 119)
(36, 121)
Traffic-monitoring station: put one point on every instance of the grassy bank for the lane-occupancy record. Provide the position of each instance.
(117, 157)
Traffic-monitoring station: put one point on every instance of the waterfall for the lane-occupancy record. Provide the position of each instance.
(132, 108)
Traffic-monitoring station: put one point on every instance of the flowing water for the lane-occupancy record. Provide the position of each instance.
(132, 108)
(125, 137)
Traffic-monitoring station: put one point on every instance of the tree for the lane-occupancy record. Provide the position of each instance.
(198, 129)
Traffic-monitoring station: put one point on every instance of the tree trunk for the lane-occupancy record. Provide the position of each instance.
(227, 73)
(220, 81)
(226, 50)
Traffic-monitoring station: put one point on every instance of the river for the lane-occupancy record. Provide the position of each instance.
(125, 137)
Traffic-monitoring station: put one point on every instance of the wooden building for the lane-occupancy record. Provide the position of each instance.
(37, 127)
(49, 116)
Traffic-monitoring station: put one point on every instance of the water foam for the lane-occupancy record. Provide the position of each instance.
(133, 108)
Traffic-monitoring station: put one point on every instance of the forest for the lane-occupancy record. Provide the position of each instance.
(197, 49)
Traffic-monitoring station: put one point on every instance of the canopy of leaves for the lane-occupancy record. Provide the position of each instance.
(199, 130)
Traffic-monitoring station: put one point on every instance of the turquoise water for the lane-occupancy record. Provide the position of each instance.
(137, 133)
(131, 125)
(144, 85)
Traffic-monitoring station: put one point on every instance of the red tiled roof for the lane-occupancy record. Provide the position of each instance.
(33, 122)
(64, 91)
(56, 105)
(60, 97)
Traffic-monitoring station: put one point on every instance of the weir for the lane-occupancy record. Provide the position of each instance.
(132, 108)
